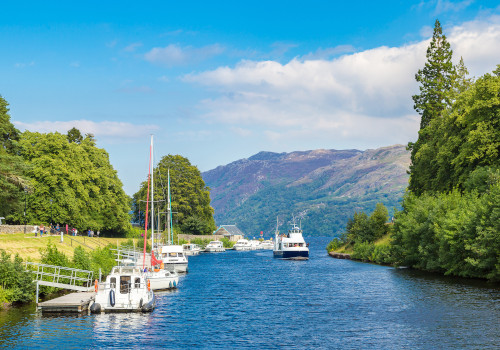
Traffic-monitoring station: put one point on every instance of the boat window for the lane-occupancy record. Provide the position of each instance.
(112, 282)
(124, 284)
(173, 254)
(301, 244)
(137, 282)
(180, 254)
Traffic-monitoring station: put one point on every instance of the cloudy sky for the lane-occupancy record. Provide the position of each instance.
(216, 81)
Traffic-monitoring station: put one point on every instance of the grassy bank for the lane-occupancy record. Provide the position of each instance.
(28, 246)
(376, 252)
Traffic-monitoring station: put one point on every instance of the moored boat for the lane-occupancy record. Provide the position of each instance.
(191, 249)
(242, 244)
(174, 259)
(215, 247)
(126, 289)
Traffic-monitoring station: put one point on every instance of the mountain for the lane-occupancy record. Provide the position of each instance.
(321, 188)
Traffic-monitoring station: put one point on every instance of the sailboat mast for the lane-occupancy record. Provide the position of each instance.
(152, 196)
(147, 204)
(169, 213)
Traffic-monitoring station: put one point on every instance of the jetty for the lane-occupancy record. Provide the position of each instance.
(74, 302)
(65, 278)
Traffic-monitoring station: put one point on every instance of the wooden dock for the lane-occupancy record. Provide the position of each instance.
(73, 302)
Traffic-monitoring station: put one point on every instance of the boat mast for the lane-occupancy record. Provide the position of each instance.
(152, 196)
(169, 210)
(147, 204)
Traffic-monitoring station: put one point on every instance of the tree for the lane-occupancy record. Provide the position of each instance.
(74, 135)
(12, 168)
(190, 196)
(73, 184)
(436, 78)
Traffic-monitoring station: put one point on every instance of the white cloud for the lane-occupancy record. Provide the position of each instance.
(99, 129)
(364, 96)
(443, 6)
(173, 55)
(132, 47)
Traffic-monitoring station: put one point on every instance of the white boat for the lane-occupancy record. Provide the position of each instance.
(191, 249)
(174, 259)
(255, 244)
(267, 244)
(291, 245)
(161, 279)
(214, 247)
(126, 289)
(242, 244)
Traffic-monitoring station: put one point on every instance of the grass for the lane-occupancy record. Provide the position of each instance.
(347, 248)
(28, 246)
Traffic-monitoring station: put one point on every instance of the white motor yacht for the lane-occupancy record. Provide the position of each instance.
(126, 289)
(255, 244)
(174, 259)
(242, 244)
(191, 249)
(162, 279)
(215, 247)
(267, 244)
(291, 245)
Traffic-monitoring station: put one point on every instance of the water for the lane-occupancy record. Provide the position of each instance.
(243, 300)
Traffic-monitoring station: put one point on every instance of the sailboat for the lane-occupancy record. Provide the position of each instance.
(173, 256)
(159, 277)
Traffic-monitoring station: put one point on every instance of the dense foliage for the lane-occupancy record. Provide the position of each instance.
(12, 167)
(362, 231)
(450, 219)
(71, 183)
(16, 285)
(190, 197)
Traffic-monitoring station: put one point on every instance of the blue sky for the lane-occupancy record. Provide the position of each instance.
(219, 81)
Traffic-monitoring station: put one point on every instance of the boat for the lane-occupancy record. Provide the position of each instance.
(242, 244)
(215, 247)
(291, 245)
(255, 244)
(126, 289)
(267, 244)
(174, 259)
(161, 279)
(191, 249)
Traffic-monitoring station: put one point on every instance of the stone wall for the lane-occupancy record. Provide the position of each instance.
(16, 228)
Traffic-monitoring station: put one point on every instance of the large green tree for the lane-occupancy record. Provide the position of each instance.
(73, 183)
(190, 197)
(12, 168)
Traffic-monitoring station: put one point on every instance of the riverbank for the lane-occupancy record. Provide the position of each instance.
(28, 246)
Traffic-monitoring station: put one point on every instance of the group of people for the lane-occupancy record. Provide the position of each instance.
(57, 230)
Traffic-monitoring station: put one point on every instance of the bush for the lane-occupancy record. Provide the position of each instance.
(16, 284)
(363, 251)
(382, 254)
(334, 245)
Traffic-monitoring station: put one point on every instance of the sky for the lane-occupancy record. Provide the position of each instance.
(218, 81)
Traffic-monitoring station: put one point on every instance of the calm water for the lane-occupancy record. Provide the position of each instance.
(250, 300)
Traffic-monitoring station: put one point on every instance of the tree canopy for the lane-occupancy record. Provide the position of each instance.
(12, 167)
(72, 183)
(190, 197)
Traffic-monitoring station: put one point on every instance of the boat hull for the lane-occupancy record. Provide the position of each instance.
(291, 254)
(176, 267)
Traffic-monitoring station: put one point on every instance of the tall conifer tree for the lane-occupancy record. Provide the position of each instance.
(436, 78)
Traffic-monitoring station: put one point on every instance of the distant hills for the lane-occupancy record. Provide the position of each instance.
(321, 188)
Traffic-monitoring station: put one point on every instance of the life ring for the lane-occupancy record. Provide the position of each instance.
(149, 285)
(157, 270)
(96, 286)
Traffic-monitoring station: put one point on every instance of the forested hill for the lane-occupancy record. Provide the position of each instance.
(322, 187)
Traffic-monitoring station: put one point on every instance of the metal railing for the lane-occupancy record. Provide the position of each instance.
(61, 277)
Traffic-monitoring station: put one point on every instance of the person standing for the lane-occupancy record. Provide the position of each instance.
(98, 233)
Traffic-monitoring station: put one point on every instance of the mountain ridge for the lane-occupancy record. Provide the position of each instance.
(317, 185)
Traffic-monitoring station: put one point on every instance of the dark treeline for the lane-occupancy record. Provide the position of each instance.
(56, 178)
(450, 221)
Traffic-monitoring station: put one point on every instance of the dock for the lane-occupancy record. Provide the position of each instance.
(73, 302)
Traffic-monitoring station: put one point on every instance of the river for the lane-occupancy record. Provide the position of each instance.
(243, 300)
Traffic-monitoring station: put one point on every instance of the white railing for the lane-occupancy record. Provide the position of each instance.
(61, 277)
